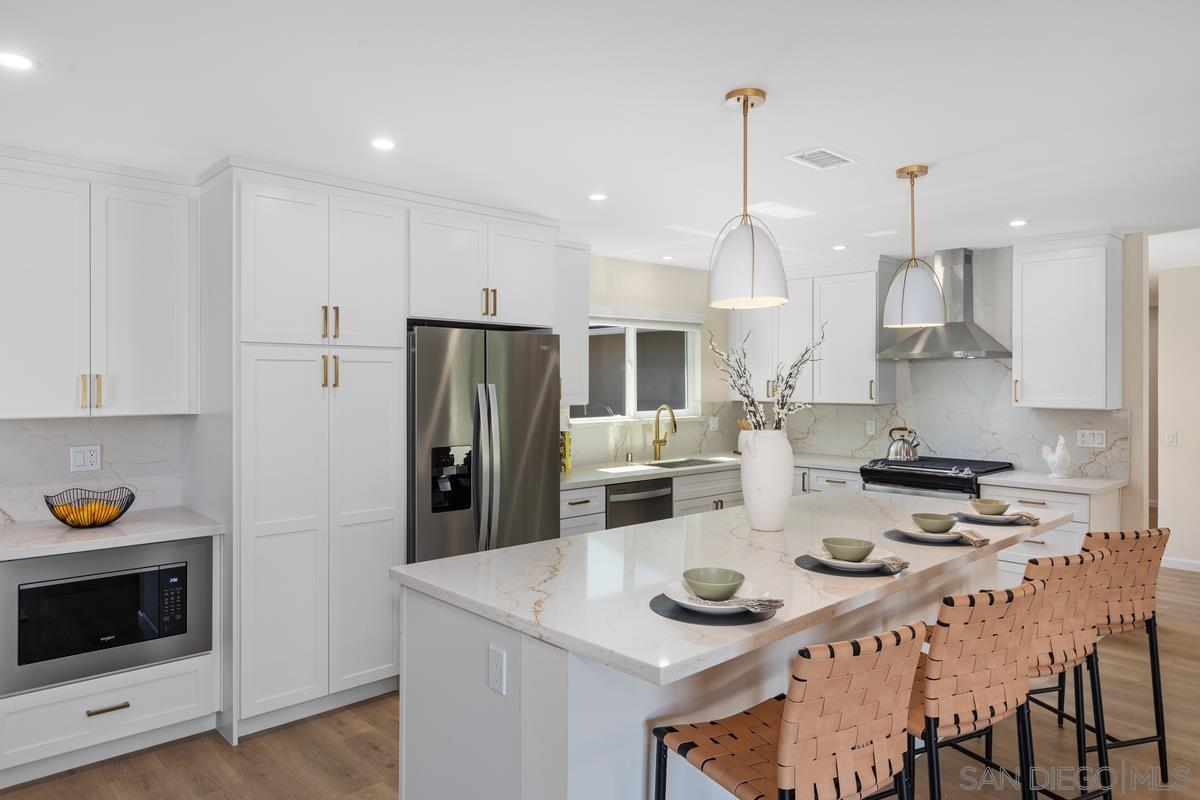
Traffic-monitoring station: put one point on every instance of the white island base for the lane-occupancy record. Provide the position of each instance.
(589, 670)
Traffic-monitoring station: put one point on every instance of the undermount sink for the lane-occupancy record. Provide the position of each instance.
(684, 463)
(630, 468)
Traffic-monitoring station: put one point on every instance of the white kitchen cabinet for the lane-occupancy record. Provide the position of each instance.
(44, 302)
(284, 526)
(284, 265)
(796, 331)
(571, 323)
(846, 369)
(141, 311)
(1067, 324)
(756, 330)
(321, 520)
(521, 274)
(448, 266)
(572, 526)
(1101, 512)
(368, 293)
(366, 520)
(799, 481)
(826, 480)
(700, 505)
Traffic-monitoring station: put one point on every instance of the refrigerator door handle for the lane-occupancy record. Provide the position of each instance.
(483, 465)
(494, 452)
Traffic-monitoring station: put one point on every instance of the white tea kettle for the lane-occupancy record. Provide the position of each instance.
(903, 447)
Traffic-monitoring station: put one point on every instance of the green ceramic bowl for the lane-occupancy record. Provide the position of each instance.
(988, 506)
(848, 549)
(713, 583)
(934, 523)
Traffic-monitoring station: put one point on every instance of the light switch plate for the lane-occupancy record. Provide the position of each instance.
(1172, 439)
(1090, 438)
(85, 458)
(870, 427)
(497, 670)
(714, 423)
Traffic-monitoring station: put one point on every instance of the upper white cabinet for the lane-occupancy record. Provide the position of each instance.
(44, 299)
(796, 332)
(756, 330)
(846, 369)
(471, 268)
(142, 325)
(571, 311)
(98, 299)
(1067, 324)
(318, 269)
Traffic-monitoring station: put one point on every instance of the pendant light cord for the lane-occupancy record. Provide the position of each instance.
(745, 157)
(912, 213)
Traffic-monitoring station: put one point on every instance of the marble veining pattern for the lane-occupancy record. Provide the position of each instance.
(590, 593)
(51, 537)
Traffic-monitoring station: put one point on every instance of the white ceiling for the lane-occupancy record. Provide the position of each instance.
(1178, 249)
(1076, 116)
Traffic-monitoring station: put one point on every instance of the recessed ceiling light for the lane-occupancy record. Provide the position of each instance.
(839, 247)
(878, 234)
(667, 258)
(769, 208)
(15, 61)
(1018, 223)
(383, 143)
(597, 196)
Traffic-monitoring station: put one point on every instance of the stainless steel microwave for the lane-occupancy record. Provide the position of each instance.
(76, 616)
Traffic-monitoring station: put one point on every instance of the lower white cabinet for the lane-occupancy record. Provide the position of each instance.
(61, 719)
(321, 477)
(698, 505)
(1088, 512)
(825, 480)
(710, 491)
(581, 510)
(583, 524)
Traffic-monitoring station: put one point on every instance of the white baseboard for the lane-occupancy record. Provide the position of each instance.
(1188, 564)
(272, 719)
(90, 755)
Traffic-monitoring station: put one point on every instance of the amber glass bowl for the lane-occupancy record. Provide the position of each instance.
(84, 508)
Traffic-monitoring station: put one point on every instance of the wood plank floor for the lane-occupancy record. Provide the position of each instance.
(351, 752)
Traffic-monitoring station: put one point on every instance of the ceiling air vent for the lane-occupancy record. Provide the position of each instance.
(821, 159)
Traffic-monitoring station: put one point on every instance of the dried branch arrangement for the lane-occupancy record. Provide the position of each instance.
(735, 367)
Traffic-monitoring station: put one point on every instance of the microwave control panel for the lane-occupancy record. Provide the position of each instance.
(172, 599)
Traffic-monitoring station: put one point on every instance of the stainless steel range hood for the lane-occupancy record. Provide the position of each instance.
(960, 337)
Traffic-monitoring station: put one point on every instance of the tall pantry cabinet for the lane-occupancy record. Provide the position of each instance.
(303, 304)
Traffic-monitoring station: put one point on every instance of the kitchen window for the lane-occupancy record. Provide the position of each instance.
(635, 366)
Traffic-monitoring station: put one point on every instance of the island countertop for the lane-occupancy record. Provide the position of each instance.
(590, 594)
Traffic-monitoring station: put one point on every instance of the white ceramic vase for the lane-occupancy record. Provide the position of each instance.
(767, 466)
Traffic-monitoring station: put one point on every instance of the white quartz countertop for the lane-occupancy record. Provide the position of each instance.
(1029, 479)
(590, 593)
(819, 461)
(588, 475)
(50, 537)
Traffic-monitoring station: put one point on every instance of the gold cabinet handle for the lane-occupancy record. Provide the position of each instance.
(495, 302)
(99, 389)
(324, 371)
(871, 389)
(714, 502)
(485, 301)
(804, 481)
(324, 322)
(835, 480)
(720, 504)
(337, 371)
(1036, 541)
(1014, 388)
(583, 502)
(83, 394)
(95, 712)
(1031, 502)
(337, 321)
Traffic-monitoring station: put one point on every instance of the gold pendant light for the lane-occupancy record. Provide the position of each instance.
(745, 268)
(914, 297)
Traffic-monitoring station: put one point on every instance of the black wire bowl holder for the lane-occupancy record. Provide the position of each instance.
(85, 508)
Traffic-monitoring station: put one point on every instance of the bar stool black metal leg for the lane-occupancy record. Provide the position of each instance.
(660, 770)
(1025, 752)
(910, 766)
(987, 742)
(1062, 696)
(931, 755)
(1093, 664)
(1160, 723)
(900, 785)
(1080, 724)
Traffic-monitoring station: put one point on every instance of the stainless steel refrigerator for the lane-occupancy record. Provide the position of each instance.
(483, 431)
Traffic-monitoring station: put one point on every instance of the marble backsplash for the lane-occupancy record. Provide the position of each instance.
(144, 453)
(600, 442)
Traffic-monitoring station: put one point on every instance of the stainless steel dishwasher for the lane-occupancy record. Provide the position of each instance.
(639, 501)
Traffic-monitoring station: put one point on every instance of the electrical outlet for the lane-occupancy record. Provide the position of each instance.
(497, 670)
(1172, 439)
(870, 427)
(1091, 438)
(714, 423)
(85, 458)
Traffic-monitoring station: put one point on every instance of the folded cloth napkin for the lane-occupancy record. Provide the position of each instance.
(1028, 518)
(757, 605)
(974, 537)
(891, 562)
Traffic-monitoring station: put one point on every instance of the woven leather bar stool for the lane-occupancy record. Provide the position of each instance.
(838, 733)
(1130, 601)
(1065, 619)
(975, 674)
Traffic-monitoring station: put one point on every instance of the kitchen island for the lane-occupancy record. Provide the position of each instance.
(538, 671)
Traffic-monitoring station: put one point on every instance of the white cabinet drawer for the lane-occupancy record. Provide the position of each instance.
(65, 718)
(699, 505)
(580, 502)
(825, 480)
(1064, 541)
(1033, 499)
(691, 487)
(571, 526)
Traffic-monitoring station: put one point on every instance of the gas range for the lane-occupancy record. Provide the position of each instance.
(937, 477)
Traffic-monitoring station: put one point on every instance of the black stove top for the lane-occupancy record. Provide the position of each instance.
(954, 474)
